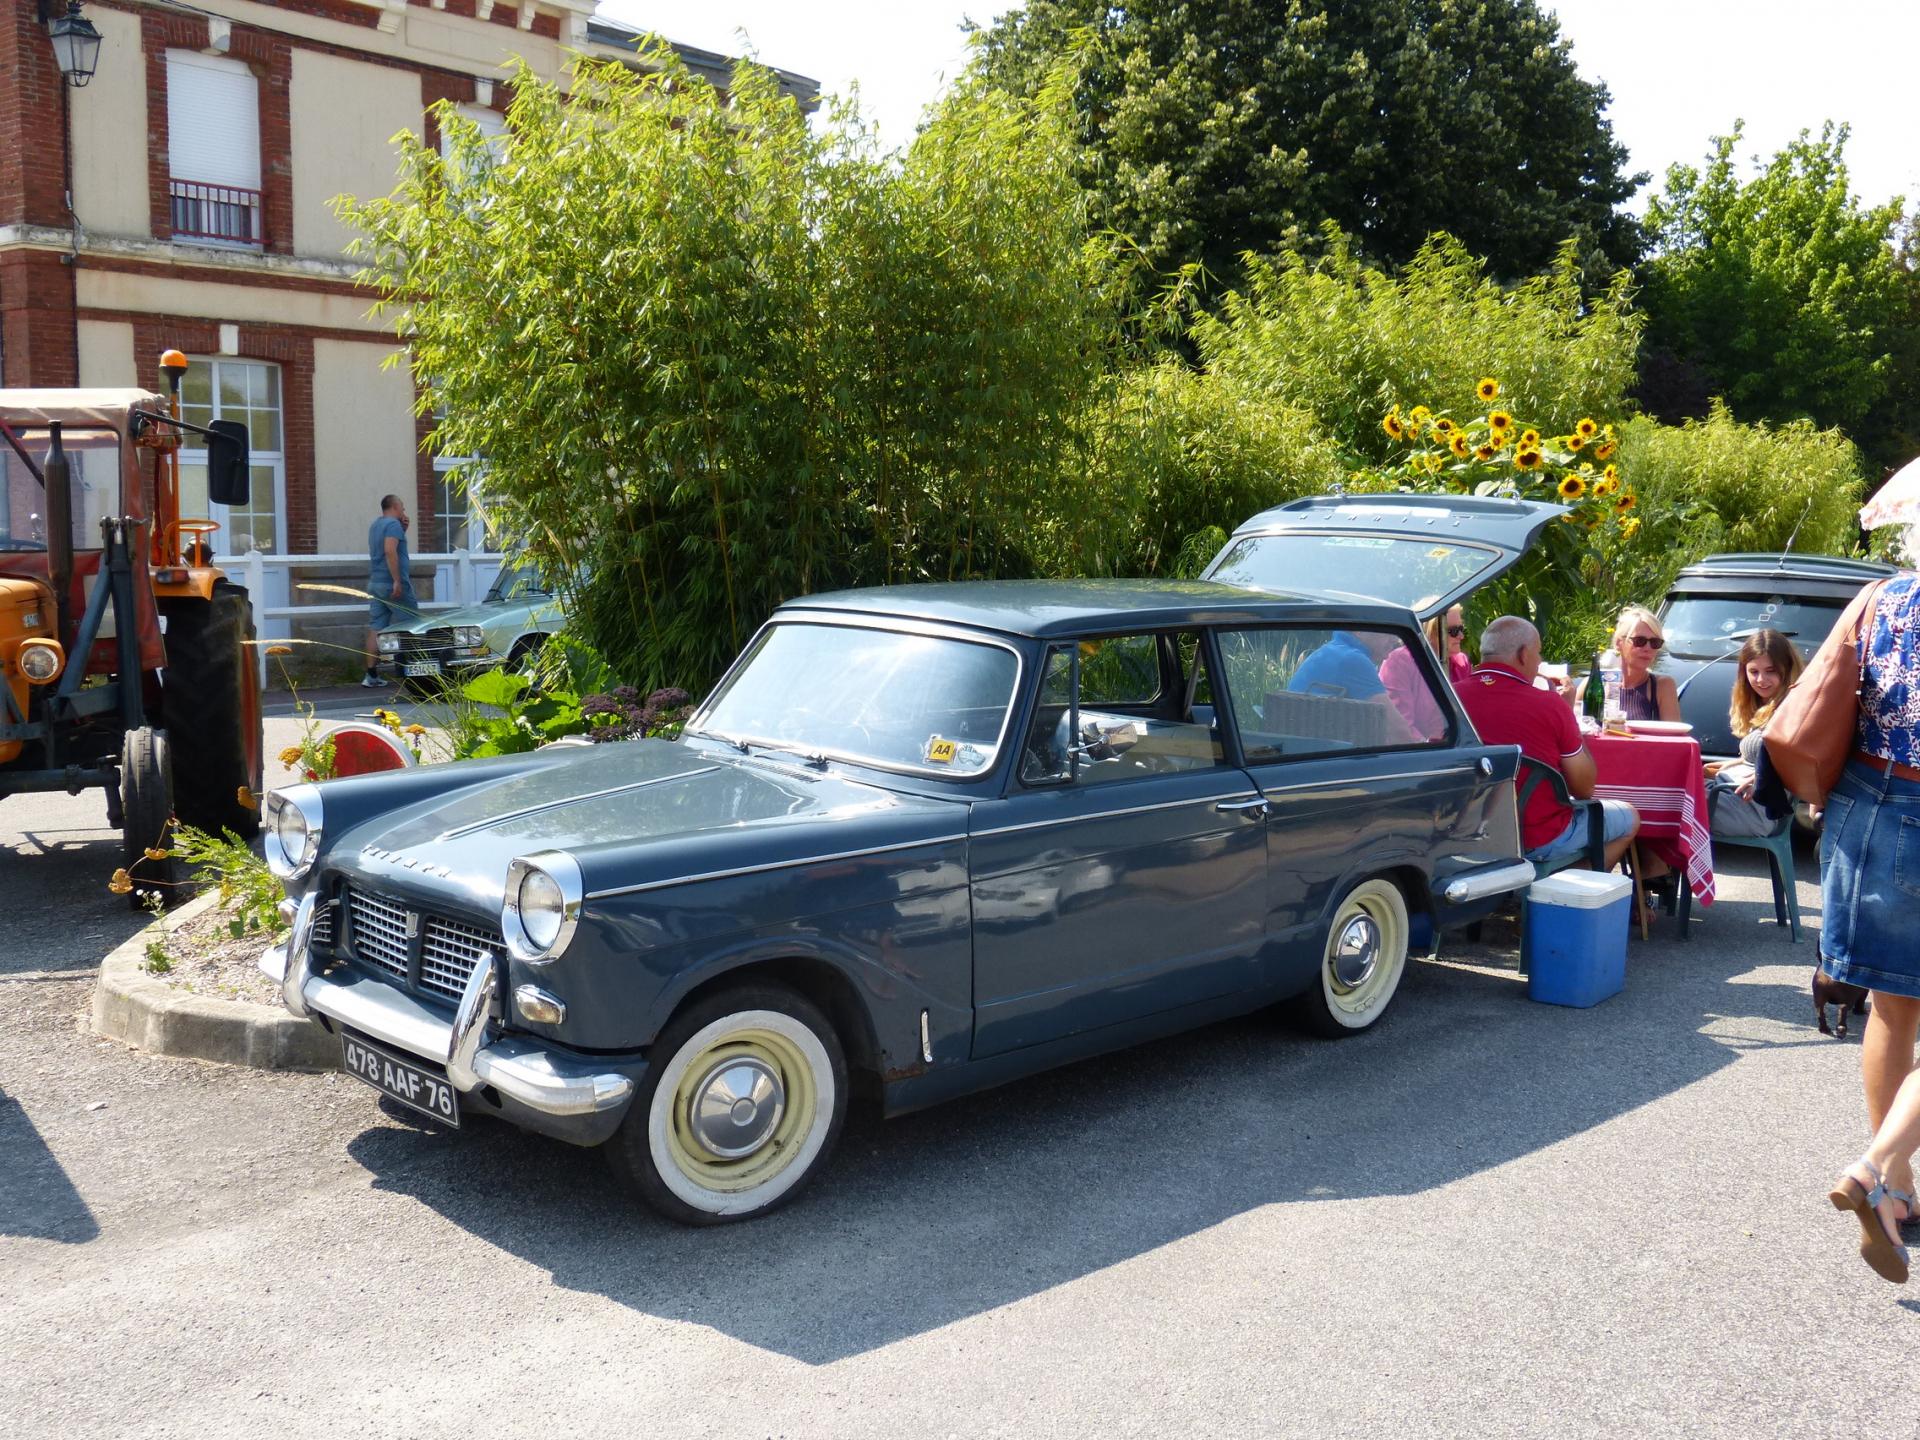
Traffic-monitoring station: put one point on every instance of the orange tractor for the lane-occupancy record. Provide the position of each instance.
(126, 659)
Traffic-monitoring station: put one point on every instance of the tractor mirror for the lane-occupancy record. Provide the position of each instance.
(228, 465)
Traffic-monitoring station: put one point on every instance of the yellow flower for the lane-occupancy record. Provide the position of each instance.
(244, 798)
(1443, 426)
(1604, 450)
(1527, 459)
(416, 729)
(1530, 439)
(1625, 502)
(1500, 420)
(1572, 487)
(1413, 429)
(1605, 486)
(1488, 390)
(1586, 429)
(1458, 444)
(279, 649)
(154, 852)
(121, 883)
(1419, 414)
(290, 755)
(1612, 472)
(1483, 452)
(1391, 424)
(1574, 442)
(1630, 526)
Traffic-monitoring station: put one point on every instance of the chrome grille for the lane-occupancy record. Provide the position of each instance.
(379, 931)
(449, 949)
(321, 935)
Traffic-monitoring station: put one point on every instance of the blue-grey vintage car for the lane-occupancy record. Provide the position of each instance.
(920, 840)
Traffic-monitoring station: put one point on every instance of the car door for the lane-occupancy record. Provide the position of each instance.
(1123, 872)
(1359, 780)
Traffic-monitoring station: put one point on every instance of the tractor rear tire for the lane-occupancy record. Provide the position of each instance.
(146, 817)
(210, 700)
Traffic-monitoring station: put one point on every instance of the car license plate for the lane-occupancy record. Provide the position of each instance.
(420, 667)
(400, 1080)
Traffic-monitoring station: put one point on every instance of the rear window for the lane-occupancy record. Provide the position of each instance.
(1706, 625)
(1408, 573)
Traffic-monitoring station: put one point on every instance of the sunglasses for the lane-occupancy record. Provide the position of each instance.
(1456, 631)
(1646, 642)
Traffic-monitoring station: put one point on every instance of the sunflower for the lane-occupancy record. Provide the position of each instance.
(1498, 438)
(1605, 486)
(1572, 487)
(1391, 424)
(1458, 444)
(1500, 420)
(1527, 459)
(1529, 439)
(1483, 452)
(1604, 450)
(1625, 502)
(1612, 472)
(1586, 429)
(1443, 426)
(1419, 414)
(1488, 390)
(1630, 526)
(1573, 443)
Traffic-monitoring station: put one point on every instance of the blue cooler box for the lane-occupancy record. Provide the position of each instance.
(1573, 943)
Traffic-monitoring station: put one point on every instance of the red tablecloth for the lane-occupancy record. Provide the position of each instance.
(1660, 776)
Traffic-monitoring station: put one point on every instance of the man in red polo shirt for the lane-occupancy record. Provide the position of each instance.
(1508, 709)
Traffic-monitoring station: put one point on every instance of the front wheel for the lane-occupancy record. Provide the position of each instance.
(1361, 965)
(741, 1110)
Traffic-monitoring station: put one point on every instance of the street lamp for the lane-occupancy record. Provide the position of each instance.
(76, 44)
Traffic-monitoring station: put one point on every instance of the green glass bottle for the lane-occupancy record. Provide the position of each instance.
(1593, 700)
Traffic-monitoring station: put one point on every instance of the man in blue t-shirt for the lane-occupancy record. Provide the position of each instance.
(389, 581)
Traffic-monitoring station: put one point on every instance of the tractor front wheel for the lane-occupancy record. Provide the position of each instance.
(146, 812)
(210, 699)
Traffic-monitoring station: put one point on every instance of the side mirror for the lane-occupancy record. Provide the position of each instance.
(229, 472)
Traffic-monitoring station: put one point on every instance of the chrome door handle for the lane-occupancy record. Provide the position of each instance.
(1486, 765)
(1256, 806)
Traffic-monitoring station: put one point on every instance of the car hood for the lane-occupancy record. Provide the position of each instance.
(483, 614)
(1706, 697)
(636, 813)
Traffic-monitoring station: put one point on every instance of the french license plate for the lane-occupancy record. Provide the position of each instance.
(420, 667)
(400, 1080)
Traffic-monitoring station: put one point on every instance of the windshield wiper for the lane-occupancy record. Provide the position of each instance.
(812, 758)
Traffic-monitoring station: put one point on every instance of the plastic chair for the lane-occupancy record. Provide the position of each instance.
(1778, 843)
(1536, 773)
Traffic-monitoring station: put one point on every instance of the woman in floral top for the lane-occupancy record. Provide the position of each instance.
(1870, 887)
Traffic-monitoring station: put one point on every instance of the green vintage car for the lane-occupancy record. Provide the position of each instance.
(507, 627)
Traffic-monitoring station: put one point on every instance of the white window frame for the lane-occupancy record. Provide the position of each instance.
(224, 541)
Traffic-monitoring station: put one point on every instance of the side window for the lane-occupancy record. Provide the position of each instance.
(1136, 713)
(1299, 692)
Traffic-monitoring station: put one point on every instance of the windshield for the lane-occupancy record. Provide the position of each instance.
(515, 580)
(1407, 572)
(1705, 625)
(93, 456)
(881, 697)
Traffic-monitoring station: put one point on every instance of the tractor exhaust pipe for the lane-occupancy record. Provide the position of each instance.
(59, 486)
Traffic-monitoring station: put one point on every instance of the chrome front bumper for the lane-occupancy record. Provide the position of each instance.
(518, 1068)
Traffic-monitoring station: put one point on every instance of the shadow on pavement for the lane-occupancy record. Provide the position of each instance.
(925, 1220)
(56, 913)
(37, 1201)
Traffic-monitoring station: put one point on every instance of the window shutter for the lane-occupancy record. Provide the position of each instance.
(213, 120)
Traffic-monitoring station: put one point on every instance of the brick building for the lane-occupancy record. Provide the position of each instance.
(180, 199)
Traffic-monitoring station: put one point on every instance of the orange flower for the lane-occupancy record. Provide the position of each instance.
(154, 852)
(121, 883)
(245, 799)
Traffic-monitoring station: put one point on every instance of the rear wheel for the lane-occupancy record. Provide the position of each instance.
(1361, 965)
(210, 698)
(146, 811)
(741, 1111)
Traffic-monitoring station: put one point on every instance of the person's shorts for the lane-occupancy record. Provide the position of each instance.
(1870, 881)
(1617, 823)
(382, 612)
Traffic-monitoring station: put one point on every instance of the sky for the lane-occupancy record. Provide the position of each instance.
(1679, 71)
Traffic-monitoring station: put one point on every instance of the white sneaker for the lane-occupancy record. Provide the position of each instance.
(371, 681)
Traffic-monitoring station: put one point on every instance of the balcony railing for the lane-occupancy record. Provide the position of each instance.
(214, 212)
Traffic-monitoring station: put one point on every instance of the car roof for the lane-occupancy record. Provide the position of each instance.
(1046, 608)
(1776, 565)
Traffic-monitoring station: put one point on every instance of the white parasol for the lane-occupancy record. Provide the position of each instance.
(1895, 503)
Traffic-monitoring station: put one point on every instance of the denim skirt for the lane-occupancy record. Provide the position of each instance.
(1870, 882)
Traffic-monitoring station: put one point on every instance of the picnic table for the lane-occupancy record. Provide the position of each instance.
(1660, 776)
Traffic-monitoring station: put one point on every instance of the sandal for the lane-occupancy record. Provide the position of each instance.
(1886, 1255)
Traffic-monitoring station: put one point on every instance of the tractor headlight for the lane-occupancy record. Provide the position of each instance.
(541, 905)
(40, 661)
(293, 830)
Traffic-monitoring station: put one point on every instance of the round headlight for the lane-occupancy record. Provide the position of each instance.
(40, 660)
(293, 831)
(542, 908)
(542, 905)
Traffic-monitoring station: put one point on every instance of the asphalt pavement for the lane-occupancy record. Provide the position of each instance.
(1486, 1217)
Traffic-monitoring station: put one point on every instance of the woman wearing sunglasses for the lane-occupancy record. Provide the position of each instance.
(1643, 694)
(1407, 687)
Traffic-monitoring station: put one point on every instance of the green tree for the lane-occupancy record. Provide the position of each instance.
(1206, 130)
(716, 357)
(1780, 292)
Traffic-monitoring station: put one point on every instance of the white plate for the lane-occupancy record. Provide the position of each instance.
(1659, 727)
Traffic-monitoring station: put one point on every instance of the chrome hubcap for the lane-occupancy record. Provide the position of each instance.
(1355, 952)
(736, 1106)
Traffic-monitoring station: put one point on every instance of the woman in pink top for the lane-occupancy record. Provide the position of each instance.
(1408, 690)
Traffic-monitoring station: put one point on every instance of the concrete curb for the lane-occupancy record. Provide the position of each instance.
(151, 1015)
